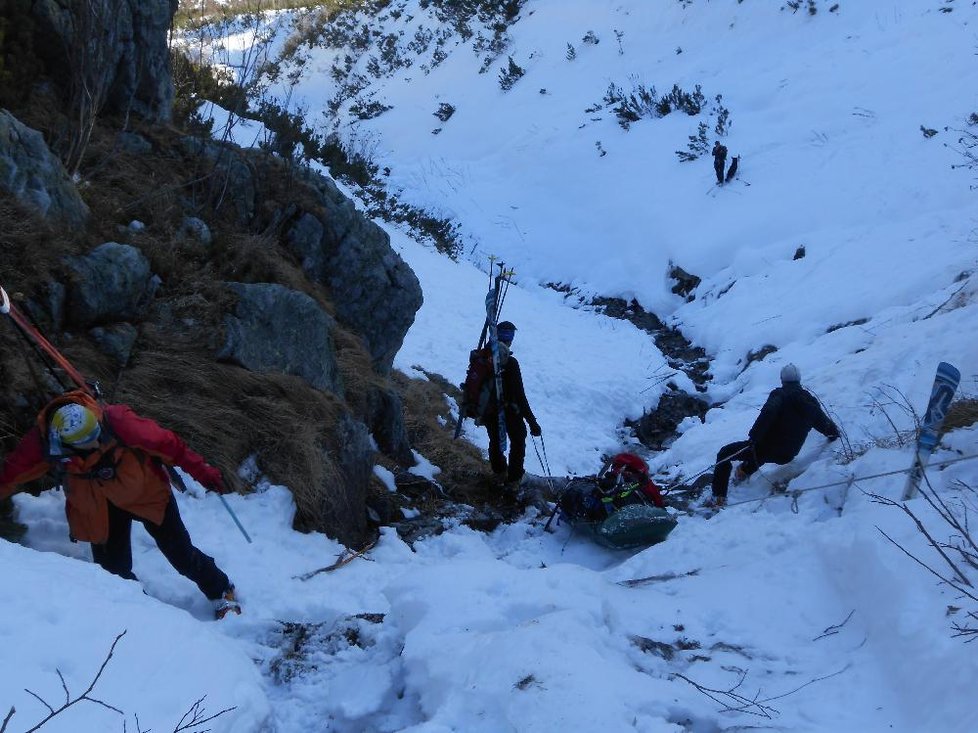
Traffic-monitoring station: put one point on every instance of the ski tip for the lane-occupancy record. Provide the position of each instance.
(4, 301)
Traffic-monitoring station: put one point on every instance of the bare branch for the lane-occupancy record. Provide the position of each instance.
(39, 699)
(923, 530)
(84, 696)
(342, 559)
(834, 629)
(934, 499)
(64, 685)
(634, 582)
(733, 701)
(3, 726)
(924, 565)
(756, 705)
(194, 717)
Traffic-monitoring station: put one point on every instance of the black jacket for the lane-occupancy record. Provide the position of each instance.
(785, 421)
(514, 395)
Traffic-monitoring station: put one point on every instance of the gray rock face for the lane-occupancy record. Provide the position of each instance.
(195, 231)
(345, 512)
(385, 418)
(35, 176)
(231, 180)
(375, 292)
(657, 429)
(110, 284)
(275, 329)
(305, 238)
(132, 62)
(116, 340)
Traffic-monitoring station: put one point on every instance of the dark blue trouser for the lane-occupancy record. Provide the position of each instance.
(174, 542)
(516, 433)
(740, 451)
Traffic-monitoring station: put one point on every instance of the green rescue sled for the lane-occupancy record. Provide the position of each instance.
(631, 527)
(620, 508)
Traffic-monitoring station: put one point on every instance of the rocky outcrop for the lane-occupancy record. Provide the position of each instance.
(231, 179)
(116, 340)
(34, 176)
(657, 429)
(375, 292)
(275, 329)
(127, 53)
(112, 283)
(385, 418)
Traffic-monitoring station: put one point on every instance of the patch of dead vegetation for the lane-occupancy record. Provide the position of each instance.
(430, 426)
(961, 414)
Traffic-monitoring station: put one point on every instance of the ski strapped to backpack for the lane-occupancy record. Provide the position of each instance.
(483, 377)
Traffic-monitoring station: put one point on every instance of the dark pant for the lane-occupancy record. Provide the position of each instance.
(740, 451)
(174, 542)
(516, 432)
(718, 167)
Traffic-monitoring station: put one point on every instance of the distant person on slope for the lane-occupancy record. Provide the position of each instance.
(719, 160)
(516, 410)
(777, 435)
(112, 463)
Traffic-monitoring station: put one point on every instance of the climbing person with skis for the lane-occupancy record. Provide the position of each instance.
(516, 410)
(113, 464)
(719, 160)
(777, 435)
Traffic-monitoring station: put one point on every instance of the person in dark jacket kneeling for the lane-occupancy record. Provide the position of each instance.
(777, 435)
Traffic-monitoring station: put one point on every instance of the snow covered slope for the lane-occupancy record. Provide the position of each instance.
(795, 604)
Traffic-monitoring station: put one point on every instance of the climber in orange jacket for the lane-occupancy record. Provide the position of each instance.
(113, 464)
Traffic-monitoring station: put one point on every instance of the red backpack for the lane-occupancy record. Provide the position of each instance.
(478, 394)
(628, 468)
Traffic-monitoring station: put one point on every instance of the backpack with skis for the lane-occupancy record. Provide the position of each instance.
(484, 378)
(478, 394)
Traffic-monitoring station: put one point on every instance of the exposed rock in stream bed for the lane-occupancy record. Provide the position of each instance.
(656, 429)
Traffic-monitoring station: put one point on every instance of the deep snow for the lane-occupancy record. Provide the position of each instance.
(798, 600)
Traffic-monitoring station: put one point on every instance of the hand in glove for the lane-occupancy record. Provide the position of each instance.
(215, 482)
(535, 429)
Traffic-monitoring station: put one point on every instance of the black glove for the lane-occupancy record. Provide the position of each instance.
(535, 429)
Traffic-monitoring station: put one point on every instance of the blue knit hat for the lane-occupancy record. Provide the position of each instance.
(505, 332)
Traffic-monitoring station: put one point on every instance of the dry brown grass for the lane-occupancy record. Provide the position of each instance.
(962, 414)
(224, 412)
(228, 414)
(430, 426)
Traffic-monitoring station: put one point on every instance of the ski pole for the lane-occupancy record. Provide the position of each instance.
(546, 527)
(234, 517)
(177, 479)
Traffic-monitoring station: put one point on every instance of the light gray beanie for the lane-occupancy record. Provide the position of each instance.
(790, 373)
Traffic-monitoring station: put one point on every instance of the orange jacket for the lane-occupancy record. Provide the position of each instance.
(126, 469)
